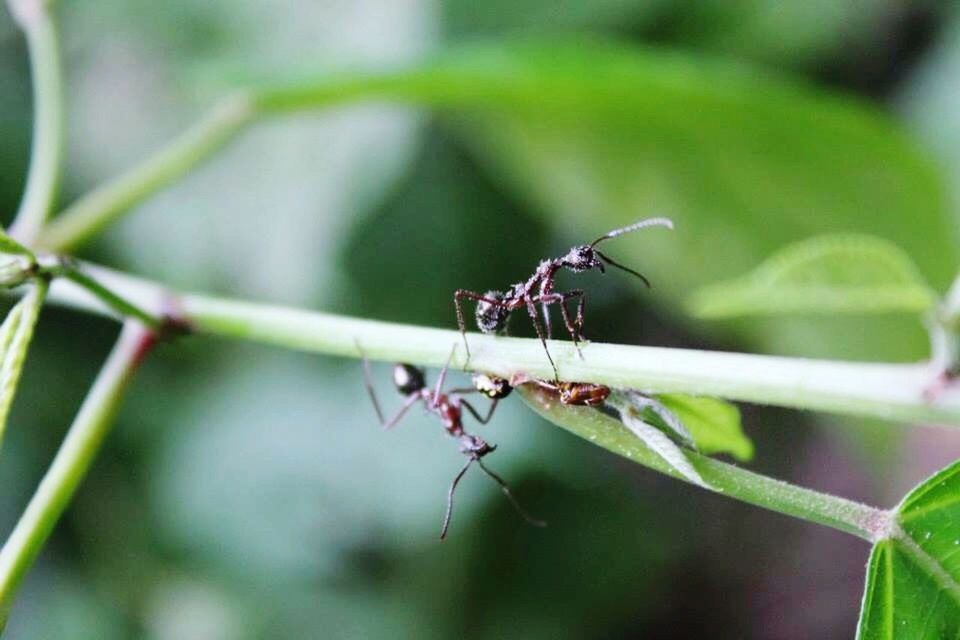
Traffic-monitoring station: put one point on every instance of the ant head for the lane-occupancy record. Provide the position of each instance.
(582, 258)
(492, 318)
(408, 378)
(475, 446)
(491, 386)
(587, 257)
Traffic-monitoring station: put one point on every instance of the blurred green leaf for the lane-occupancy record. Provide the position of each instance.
(469, 17)
(598, 135)
(783, 32)
(714, 424)
(15, 335)
(842, 273)
(913, 577)
(11, 246)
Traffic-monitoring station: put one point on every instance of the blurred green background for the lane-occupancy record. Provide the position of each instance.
(248, 492)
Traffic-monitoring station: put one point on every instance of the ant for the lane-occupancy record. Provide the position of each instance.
(410, 382)
(589, 394)
(582, 394)
(494, 307)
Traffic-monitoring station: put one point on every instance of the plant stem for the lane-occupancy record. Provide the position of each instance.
(851, 517)
(889, 391)
(47, 145)
(72, 461)
(121, 306)
(94, 211)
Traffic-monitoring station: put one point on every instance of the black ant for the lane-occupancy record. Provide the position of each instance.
(411, 383)
(494, 307)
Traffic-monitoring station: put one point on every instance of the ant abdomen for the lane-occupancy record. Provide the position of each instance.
(408, 379)
(492, 318)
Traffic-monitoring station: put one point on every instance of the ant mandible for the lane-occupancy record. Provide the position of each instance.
(411, 383)
(494, 307)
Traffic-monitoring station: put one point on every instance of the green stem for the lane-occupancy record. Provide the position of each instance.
(94, 211)
(851, 517)
(47, 147)
(121, 306)
(889, 391)
(72, 461)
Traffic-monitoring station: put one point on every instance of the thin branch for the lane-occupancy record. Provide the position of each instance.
(72, 461)
(100, 207)
(124, 308)
(888, 391)
(46, 152)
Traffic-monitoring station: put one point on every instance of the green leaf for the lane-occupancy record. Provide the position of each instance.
(841, 273)
(15, 335)
(714, 424)
(913, 577)
(655, 439)
(597, 135)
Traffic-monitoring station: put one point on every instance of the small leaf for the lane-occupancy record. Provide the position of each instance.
(714, 424)
(663, 446)
(15, 335)
(655, 439)
(842, 273)
(655, 412)
(913, 577)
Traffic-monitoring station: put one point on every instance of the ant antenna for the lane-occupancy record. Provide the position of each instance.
(649, 222)
(506, 491)
(453, 487)
(503, 485)
(613, 263)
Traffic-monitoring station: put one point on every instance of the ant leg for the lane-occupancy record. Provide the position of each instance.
(506, 491)
(545, 310)
(457, 295)
(532, 310)
(453, 487)
(561, 299)
(440, 379)
(476, 414)
(581, 303)
(576, 325)
(386, 424)
(574, 328)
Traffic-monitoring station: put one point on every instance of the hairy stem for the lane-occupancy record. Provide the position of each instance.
(46, 152)
(851, 517)
(72, 461)
(889, 391)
